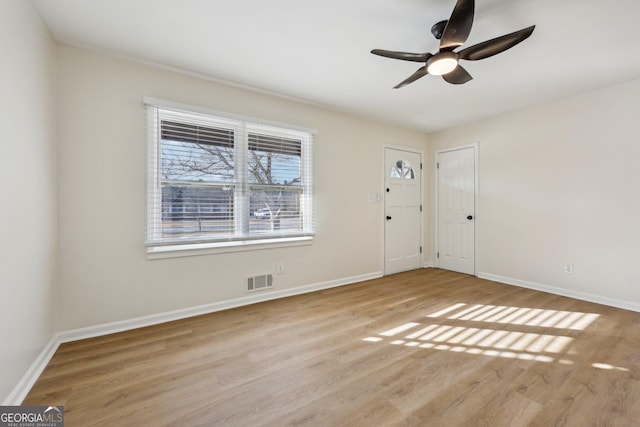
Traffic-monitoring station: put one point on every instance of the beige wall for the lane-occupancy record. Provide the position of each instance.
(104, 273)
(559, 184)
(28, 212)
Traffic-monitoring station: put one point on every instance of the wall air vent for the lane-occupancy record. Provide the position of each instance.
(259, 282)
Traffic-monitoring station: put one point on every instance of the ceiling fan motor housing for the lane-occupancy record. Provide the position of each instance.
(438, 29)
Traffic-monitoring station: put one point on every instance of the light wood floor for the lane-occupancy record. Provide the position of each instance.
(428, 348)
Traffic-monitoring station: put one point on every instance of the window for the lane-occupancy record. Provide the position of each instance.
(220, 180)
(402, 169)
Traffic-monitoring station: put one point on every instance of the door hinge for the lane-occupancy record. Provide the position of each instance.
(438, 165)
(420, 208)
(420, 249)
(420, 165)
(438, 255)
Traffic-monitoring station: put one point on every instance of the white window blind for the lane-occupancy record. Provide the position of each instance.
(220, 179)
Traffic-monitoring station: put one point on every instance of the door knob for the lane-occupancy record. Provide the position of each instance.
(469, 217)
(388, 217)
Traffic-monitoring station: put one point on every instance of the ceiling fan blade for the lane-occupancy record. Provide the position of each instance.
(405, 56)
(494, 46)
(421, 72)
(458, 76)
(459, 26)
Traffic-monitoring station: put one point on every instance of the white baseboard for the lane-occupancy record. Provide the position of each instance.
(584, 296)
(23, 387)
(429, 264)
(154, 319)
(21, 390)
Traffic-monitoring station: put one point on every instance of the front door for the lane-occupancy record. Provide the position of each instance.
(403, 218)
(456, 174)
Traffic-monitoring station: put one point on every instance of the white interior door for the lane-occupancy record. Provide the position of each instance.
(403, 218)
(456, 172)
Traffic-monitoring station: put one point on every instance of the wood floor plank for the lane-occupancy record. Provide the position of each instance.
(425, 348)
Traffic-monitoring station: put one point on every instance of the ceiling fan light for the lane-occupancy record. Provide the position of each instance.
(442, 63)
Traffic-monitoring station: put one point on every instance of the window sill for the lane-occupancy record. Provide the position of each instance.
(195, 249)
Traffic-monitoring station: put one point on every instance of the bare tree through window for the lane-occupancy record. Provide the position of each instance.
(199, 174)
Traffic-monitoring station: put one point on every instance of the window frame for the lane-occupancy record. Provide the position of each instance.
(241, 239)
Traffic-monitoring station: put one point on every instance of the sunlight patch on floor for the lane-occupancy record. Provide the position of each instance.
(608, 367)
(488, 342)
(399, 329)
(458, 330)
(525, 316)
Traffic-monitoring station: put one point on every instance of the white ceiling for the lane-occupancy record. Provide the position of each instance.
(318, 51)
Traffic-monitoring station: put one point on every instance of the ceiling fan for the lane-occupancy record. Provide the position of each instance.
(452, 34)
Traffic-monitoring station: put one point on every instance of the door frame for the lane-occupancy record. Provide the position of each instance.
(475, 146)
(384, 195)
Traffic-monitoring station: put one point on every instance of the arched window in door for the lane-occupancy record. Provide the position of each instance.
(402, 169)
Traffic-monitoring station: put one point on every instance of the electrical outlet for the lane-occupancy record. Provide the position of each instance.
(280, 268)
(568, 269)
